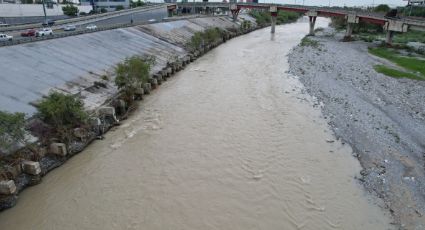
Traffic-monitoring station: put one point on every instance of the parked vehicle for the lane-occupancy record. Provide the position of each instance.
(152, 20)
(5, 38)
(48, 22)
(91, 27)
(44, 32)
(29, 33)
(69, 28)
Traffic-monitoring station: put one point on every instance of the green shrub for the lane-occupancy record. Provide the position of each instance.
(383, 8)
(103, 10)
(131, 73)
(12, 131)
(62, 111)
(70, 10)
(119, 7)
(207, 37)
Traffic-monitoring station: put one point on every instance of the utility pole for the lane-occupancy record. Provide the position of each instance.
(44, 10)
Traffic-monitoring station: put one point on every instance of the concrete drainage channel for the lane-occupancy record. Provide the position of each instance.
(30, 172)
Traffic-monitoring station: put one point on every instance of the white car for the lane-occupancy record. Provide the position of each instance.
(91, 27)
(152, 20)
(69, 28)
(5, 37)
(44, 32)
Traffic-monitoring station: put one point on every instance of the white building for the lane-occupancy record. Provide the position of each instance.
(109, 5)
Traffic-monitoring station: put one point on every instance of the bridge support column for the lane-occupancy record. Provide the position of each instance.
(351, 20)
(349, 32)
(392, 26)
(235, 11)
(312, 16)
(389, 37)
(273, 12)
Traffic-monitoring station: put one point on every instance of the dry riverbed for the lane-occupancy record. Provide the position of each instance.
(382, 118)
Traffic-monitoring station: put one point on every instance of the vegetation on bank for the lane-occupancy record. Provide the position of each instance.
(306, 41)
(409, 63)
(415, 65)
(263, 18)
(396, 73)
(131, 74)
(12, 133)
(62, 113)
(200, 40)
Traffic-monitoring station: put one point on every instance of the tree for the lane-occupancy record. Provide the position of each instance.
(62, 111)
(131, 73)
(382, 8)
(70, 10)
(12, 131)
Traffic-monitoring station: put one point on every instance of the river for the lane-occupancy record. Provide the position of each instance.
(231, 142)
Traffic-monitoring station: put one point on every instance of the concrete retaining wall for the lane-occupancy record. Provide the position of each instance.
(74, 64)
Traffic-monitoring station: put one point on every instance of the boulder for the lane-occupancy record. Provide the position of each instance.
(58, 149)
(7, 187)
(31, 167)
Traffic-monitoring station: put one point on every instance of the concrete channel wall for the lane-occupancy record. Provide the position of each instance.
(73, 64)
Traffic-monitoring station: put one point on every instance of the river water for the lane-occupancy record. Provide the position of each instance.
(231, 143)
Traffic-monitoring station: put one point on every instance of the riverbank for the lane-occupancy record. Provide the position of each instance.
(381, 117)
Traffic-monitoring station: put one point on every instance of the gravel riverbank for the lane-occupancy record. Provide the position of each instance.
(382, 118)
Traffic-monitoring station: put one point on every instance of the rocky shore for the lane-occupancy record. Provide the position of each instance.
(382, 118)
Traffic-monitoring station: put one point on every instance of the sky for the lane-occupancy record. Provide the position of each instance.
(340, 2)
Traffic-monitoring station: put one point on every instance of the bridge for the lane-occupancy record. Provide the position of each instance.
(390, 25)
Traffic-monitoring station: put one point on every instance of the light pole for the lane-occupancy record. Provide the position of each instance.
(44, 10)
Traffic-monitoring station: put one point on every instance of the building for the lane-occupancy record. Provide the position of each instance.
(109, 5)
(416, 2)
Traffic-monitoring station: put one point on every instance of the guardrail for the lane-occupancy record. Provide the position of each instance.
(85, 18)
(86, 31)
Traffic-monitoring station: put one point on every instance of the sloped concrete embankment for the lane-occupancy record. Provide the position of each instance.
(83, 65)
(381, 117)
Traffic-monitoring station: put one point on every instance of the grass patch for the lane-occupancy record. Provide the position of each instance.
(408, 63)
(309, 42)
(410, 36)
(396, 73)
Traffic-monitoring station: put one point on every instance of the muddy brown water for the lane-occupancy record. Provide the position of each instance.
(228, 143)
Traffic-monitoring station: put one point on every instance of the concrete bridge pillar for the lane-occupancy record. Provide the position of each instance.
(312, 16)
(389, 37)
(351, 20)
(235, 11)
(392, 26)
(273, 12)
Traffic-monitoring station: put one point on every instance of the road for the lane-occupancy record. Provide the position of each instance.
(138, 17)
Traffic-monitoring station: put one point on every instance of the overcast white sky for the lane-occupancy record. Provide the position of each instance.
(340, 2)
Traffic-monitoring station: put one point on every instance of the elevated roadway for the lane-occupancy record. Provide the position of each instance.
(391, 25)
